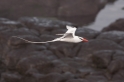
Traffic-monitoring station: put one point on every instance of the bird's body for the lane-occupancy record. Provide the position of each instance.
(72, 40)
(69, 36)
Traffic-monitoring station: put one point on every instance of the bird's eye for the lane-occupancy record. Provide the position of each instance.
(80, 38)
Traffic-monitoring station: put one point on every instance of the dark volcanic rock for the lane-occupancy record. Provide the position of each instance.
(80, 10)
(111, 60)
(118, 77)
(117, 25)
(75, 9)
(42, 24)
(13, 24)
(11, 77)
(101, 59)
(77, 80)
(87, 33)
(116, 36)
(116, 63)
(37, 59)
(53, 77)
(96, 45)
(18, 49)
(122, 43)
(96, 78)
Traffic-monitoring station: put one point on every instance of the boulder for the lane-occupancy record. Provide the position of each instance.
(43, 24)
(116, 36)
(101, 59)
(88, 48)
(53, 77)
(80, 10)
(96, 78)
(77, 80)
(27, 62)
(122, 43)
(117, 62)
(87, 33)
(11, 77)
(117, 25)
(118, 77)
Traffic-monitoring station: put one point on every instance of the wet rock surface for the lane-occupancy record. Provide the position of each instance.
(99, 60)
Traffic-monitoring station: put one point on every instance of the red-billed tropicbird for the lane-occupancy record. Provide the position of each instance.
(69, 36)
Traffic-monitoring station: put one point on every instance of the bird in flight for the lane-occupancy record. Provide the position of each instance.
(69, 36)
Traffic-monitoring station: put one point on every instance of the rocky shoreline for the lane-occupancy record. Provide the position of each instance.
(99, 60)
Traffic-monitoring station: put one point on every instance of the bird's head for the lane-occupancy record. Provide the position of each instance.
(83, 39)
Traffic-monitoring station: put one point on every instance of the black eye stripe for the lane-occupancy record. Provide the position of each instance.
(80, 38)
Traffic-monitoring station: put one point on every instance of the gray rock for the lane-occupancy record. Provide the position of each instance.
(96, 45)
(118, 77)
(27, 62)
(117, 25)
(77, 80)
(96, 78)
(122, 43)
(42, 24)
(53, 77)
(117, 62)
(101, 59)
(113, 67)
(116, 36)
(11, 77)
(81, 9)
(87, 33)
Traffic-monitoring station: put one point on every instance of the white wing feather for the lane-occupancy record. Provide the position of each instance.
(71, 30)
(69, 27)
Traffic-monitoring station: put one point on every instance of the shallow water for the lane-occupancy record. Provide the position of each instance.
(110, 13)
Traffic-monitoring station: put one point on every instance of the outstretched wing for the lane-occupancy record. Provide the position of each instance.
(70, 30)
(69, 27)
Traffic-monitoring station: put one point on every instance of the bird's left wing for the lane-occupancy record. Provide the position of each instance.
(71, 30)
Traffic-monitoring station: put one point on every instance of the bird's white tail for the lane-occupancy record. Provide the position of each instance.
(36, 42)
(59, 34)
